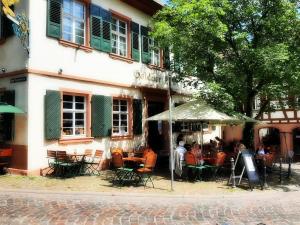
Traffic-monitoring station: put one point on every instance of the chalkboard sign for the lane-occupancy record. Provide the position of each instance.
(251, 169)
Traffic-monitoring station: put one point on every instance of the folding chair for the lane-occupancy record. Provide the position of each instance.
(65, 166)
(145, 173)
(122, 174)
(52, 164)
(191, 163)
(93, 163)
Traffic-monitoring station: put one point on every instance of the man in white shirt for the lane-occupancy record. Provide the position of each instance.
(181, 150)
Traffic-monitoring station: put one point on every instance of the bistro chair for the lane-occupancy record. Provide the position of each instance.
(122, 173)
(93, 163)
(191, 164)
(5, 158)
(65, 166)
(145, 173)
(217, 164)
(52, 163)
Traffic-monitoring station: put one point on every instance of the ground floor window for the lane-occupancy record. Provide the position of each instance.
(74, 115)
(120, 117)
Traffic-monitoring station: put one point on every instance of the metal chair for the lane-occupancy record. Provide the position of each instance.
(145, 173)
(191, 163)
(122, 174)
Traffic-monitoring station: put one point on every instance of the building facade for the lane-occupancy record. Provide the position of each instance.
(91, 78)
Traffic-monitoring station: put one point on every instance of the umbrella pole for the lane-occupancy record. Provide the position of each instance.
(171, 135)
(201, 126)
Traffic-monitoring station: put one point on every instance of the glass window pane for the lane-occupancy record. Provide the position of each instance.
(115, 129)
(68, 116)
(79, 98)
(67, 123)
(67, 105)
(79, 116)
(67, 5)
(124, 108)
(67, 131)
(79, 131)
(79, 40)
(68, 98)
(79, 105)
(123, 116)
(79, 10)
(79, 123)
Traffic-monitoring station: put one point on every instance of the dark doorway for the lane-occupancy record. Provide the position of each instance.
(296, 142)
(155, 128)
(270, 138)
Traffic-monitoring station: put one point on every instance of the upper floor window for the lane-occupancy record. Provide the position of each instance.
(74, 115)
(119, 37)
(120, 117)
(73, 21)
(154, 53)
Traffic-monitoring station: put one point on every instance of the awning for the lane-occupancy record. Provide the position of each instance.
(196, 110)
(6, 108)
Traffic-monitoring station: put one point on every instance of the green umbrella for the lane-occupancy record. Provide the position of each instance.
(6, 108)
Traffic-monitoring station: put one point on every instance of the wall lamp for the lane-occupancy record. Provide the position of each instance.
(60, 70)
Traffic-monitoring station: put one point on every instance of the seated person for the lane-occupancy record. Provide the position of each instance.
(261, 150)
(197, 152)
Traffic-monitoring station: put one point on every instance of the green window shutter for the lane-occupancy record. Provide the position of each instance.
(135, 43)
(101, 116)
(146, 58)
(52, 115)
(167, 58)
(96, 37)
(106, 30)
(54, 18)
(137, 116)
(8, 118)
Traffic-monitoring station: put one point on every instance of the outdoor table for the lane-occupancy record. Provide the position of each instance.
(78, 159)
(134, 161)
(209, 160)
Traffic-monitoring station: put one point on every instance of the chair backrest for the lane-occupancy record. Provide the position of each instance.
(119, 150)
(117, 159)
(190, 158)
(51, 154)
(88, 152)
(6, 152)
(150, 160)
(146, 151)
(98, 153)
(61, 155)
(220, 159)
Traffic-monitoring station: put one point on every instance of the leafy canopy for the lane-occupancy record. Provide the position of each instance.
(238, 48)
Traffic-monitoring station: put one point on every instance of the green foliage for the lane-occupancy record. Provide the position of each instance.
(238, 48)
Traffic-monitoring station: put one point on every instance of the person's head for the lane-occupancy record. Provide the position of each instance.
(187, 147)
(181, 143)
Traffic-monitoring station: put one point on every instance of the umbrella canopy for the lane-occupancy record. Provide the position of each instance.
(196, 110)
(5, 108)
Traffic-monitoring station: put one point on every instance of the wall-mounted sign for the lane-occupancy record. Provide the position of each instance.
(18, 79)
(151, 76)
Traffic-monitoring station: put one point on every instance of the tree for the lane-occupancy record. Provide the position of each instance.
(243, 48)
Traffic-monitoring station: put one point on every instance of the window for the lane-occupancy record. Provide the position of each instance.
(73, 21)
(119, 37)
(120, 118)
(154, 53)
(74, 115)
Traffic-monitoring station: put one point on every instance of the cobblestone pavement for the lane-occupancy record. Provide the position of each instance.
(30, 207)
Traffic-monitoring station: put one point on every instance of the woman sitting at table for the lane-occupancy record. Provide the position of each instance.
(197, 152)
(261, 150)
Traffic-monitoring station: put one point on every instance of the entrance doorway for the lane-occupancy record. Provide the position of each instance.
(270, 138)
(296, 143)
(155, 128)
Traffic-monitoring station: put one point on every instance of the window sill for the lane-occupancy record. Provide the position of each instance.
(154, 67)
(74, 45)
(122, 58)
(75, 140)
(120, 138)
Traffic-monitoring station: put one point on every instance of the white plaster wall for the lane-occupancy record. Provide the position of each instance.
(277, 114)
(12, 55)
(36, 140)
(48, 55)
(20, 135)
